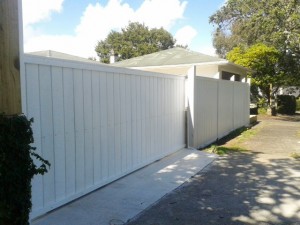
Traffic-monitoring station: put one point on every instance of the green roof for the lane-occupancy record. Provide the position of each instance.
(172, 56)
(60, 55)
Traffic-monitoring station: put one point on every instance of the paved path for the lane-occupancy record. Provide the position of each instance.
(121, 200)
(261, 186)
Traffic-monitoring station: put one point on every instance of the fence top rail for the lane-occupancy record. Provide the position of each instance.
(40, 60)
(221, 81)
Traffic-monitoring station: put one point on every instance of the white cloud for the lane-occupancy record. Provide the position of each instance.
(185, 35)
(208, 50)
(158, 13)
(35, 11)
(97, 21)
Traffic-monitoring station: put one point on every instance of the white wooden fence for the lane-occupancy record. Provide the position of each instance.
(97, 123)
(216, 107)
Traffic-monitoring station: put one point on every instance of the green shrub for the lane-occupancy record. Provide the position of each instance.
(286, 104)
(298, 104)
(17, 169)
(262, 111)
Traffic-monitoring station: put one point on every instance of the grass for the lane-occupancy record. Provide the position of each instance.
(295, 155)
(237, 137)
(222, 150)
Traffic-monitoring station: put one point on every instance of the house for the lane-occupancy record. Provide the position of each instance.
(178, 61)
(61, 55)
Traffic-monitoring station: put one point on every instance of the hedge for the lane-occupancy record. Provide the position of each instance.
(286, 104)
(17, 169)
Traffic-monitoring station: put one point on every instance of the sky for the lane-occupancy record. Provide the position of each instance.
(75, 27)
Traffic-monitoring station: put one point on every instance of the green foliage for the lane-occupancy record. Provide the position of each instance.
(134, 40)
(236, 138)
(263, 62)
(272, 22)
(295, 155)
(286, 104)
(239, 135)
(223, 150)
(298, 104)
(17, 169)
(262, 111)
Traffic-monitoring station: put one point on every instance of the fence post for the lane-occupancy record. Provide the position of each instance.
(10, 84)
(190, 93)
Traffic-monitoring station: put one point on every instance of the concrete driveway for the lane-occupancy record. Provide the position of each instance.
(260, 186)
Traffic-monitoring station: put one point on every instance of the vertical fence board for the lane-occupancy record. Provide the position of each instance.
(133, 120)
(139, 120)
(33, 109)
(47, 132)
(59, 132)
(70, 146)
(79, 130)
(128, 120)
(143, 117)
(96, 112)
(104, 126)
(88, 126)
(124, 165)
(117, 122)
(110, 121)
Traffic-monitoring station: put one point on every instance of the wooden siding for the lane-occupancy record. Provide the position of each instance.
(10, 85)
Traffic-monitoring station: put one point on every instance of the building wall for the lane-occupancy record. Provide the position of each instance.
(181, 71)
(206, 70)
(211, 71)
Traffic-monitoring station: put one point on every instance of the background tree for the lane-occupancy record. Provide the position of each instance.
(134, 40)
(272, 22)
(263, 61)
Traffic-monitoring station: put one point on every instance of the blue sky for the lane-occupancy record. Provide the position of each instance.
(74, 27)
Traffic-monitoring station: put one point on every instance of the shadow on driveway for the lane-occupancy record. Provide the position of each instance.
(237, 189)
(261, 186)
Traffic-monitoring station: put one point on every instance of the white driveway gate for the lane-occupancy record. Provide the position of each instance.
(96, 123)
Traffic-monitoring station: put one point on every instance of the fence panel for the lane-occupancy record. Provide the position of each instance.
(216, 107)
(225, 111)
(97, 123)
(241, 104)
(206, 111)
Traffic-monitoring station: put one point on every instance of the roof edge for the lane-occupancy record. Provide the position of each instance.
(221, 62)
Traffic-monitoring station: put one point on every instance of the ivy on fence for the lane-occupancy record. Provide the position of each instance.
(17, 169)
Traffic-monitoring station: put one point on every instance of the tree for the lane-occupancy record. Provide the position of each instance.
(134, 40)
(272, 22)
(262, 60)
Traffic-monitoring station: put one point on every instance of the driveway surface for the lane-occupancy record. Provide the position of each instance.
(259, 186)
(121, 200)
